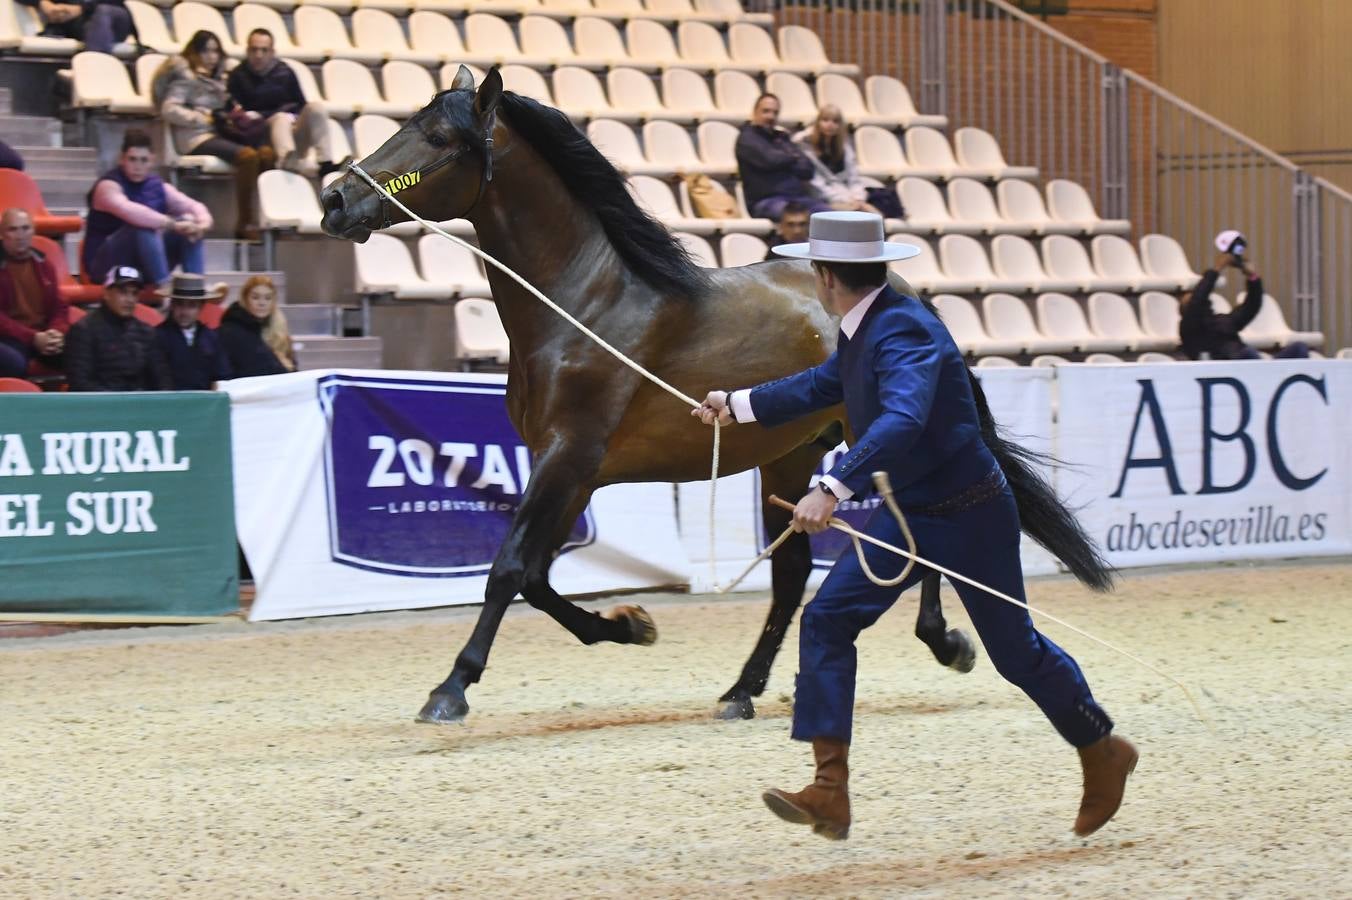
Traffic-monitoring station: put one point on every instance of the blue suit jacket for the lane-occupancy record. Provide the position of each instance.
(908, 399)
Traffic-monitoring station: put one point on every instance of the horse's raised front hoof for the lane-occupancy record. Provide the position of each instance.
(965, 660)
(443, 709)
(736, 708)
(642, 628)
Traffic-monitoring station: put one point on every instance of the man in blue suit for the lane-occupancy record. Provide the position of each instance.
(910, 407)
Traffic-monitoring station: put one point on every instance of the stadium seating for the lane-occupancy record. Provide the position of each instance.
(1020, 201)
(964, 324)
(686, 93)
(598, 39)
(71, 291)
(287, 202)
(753, 48)
(452, 266)
(888, 96)
(843, 92)
(735, 93)
(383, 266)
(1060, 317)
(319, 30)
(1269, 329)
(929, 151)
(1111, 314)
(651, 41)
(19, 30)
(1016, 259)
(191, 17)
(970, 201)
(479, 334)
(978, 151)
(923, 271)
(1048, 361)
(701, 47)
(700, 252)
(432, 33)
(632, 93)
(744, 223)
(1163, 257)
(376, 31)
(1007, 319)
(1159, 316)
(804, 46)
(1115, 259)
(579, 95)
(543, 38)
(670, 149)
(797, 106)
(996, 362)
(1069, 202)
(741, 250)
(1065, 258)
(100, 81)
(618, 143)
(522, 80)
(18, 386)
(964, 261)
(249, 16)
(1155, 358)
(717, 146)
(350, 89)
(370, 131)
(1103, 359)
(927, 211)
(655, 197)
(19, 190)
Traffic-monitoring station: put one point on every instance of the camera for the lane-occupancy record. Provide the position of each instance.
(1234, 243)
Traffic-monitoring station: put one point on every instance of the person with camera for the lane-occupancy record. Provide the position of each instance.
(1207, 334)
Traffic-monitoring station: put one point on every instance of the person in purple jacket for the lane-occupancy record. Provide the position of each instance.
(773, 169)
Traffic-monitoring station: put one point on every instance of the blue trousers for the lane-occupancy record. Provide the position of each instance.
(14, 356)
(981, 542)
(106, 26)
(154, 253)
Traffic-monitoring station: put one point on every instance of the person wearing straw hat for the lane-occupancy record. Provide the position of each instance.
(193, 351)
(910, 406)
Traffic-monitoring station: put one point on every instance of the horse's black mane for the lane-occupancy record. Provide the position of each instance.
(650, 251)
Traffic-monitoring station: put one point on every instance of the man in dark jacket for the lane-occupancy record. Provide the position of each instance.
(192, 350)
(774, 171)
(1207, 334)
(33, 317)
(99, 23)
(110, 349)
(267, 88)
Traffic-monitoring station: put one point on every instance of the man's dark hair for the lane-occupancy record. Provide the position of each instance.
(857, 275)
(793, 208)
(264, 32)
(134, 138)
(774, 97)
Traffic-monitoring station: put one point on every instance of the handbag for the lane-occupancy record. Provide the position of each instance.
(709, 199)
(236, 126)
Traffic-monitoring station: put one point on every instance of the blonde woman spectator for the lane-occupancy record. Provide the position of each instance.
(254, 333)
(835, 173)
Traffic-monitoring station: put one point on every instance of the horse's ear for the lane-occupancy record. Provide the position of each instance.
(464, 80)
(490, 92)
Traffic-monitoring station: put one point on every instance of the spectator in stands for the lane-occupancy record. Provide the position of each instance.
(192, 350)
(254, 333)
(110, 349)
(10, 158)
(836, 175)
(99, 23)
(266, 90)
(33, 317)
(772, 168)
(136, 219)
(790, 228)
(191, 92)
(1207, 334)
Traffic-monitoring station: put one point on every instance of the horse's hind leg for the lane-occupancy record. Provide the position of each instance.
(790, 567)
(952, 647)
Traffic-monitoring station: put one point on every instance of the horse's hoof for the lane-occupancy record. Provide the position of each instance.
(965, 660)
(642, 628)
(736, 708)
(443, 709)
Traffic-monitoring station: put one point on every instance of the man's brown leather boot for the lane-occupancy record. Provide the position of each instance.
(825, 803)
(1107, 763)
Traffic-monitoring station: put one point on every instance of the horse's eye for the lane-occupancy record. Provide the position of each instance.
(435, 139)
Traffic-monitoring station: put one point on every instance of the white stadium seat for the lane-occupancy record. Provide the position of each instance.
(701, 47)
(489, 37)
(978, 151)
(1048, 361)
(655, 197)
(1068, 202)
(632, 93)
(432, 33)
(970, 201)
(701, 254)
(451, 266)
(398, 7)
(837, 90)
(1064, 257)
(150, 27)
(742, 250)
(718, 146)
(544, 38)
(1159, 316)
(339, 6)
(451, 69)
(752, 47)
(249, 16)
(20, 29)
(383, 265)
(580, 95)
(887, 96)
(1061, 317)
(287, 202)
(1115, 259)
(996, 362)
(796, 103)
(407, 85)
(686, 93)
(192, 17)
(1153, 358)
(926, 209)
(1163, 257)
(929, 151)
(478, 331)
(1007, 319)
(1016, 259)
(618, 143)
(964, 324)
(598, 39)
(376, 31)
(349, 88)
(1111, 315)
(370, 132)
(100, 81)
(732, 11)
(527, 82)
(923, 271)
(964, 260)
(735, 93)
(1103, 359)
(651, 42)
(1269, 328)
(669, 149)
(1020, 201)
(319, 30)
(804, 46)
(879, 153)
(309, 88)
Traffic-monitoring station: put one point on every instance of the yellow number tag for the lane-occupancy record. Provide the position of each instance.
(400, 182)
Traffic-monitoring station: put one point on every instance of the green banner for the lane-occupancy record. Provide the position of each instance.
(116, 505)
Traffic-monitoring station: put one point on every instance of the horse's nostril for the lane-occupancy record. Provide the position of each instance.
(332, 200)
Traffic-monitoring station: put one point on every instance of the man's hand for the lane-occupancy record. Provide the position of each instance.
(714, 407)
(814, 511)
(1222, 262)
(189, 228)
(49, 342)
(59, 12)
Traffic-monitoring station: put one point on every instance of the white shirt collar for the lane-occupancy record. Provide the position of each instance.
(849, 323)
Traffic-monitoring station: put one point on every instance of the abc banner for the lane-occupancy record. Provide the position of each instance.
(386, 490)
(1209, 461)
(116, 506)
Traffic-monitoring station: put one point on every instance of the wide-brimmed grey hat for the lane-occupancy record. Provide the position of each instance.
(847, 237)
(187, 286)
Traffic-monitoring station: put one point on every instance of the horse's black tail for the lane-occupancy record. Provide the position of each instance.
(1043, 516)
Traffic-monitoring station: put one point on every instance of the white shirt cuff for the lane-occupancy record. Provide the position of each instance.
(835, 487)
(740, 403)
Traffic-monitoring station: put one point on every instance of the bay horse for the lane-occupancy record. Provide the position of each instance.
(545, 202)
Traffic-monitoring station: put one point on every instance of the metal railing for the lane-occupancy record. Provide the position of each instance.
(1145, 154)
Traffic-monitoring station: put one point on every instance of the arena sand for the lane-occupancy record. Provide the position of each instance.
(282, 760)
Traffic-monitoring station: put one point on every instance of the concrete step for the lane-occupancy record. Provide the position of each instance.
(6, 102)
(63, 192)
(223, 254)
(313, 352)
(59, 162)
(30, 131)
(234, 280)
(313, 319)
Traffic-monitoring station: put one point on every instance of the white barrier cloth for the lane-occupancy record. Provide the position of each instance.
(361, 491)
(1209, 461)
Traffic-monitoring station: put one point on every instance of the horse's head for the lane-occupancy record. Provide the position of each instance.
(439, 163)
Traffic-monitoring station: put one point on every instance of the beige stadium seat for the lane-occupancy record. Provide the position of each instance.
(651, 42)
(732, 11)
(479, 334)
(739, 193)
(741, 224)
(370, 132)
(309, 88)
(1060, 316)
(632, 92)
(1068, 202)
(837, 90)
(1111, 315)
(618, 143)
(451, 266)
(996, 362)
(1159, 316)
(376, 31)
(398, 7)
(384, 266)
(670, 150)
(802, 45)
(490, 37)
(543, 38)
(287, 202)
(887, 96)
(342, 7)
(922, 270)
(970, 201)
(1048, 361)
(1269, 328)
(735, 93)
(796, 103)
(189, 162)
(431, 33)
(964, 260)
(599, 39)
(928, 150)
(680, 11)
(701, 47)
(701, 254)
(580, 95)
(751, 46)
(879, 153)
(655, 197)
(407, 84)
(1115, 258)
(1064, 257)
(1104, 359)
(622, 10)
(527, 82)
(564, 9)
(1016, 259)
(1007, 319)
(926, 209)
(1163, 257)
(100, 81)
(249, 16)
(148, 65)
(960, 318)
(446, 78)
(978, 151)
(1021, 202)
(685, 91)
(1153, 358)
(21, 27)
(319, 30)
(192, 17)
(742, 250)
(350, 88)
(151, 27)
(718, 146)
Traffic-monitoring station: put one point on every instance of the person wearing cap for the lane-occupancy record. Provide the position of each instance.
(112, 350)
(34, 318)
(192, 350)
(909, 403)
(1207, 334)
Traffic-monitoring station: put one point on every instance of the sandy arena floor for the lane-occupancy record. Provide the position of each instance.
(282, 760)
